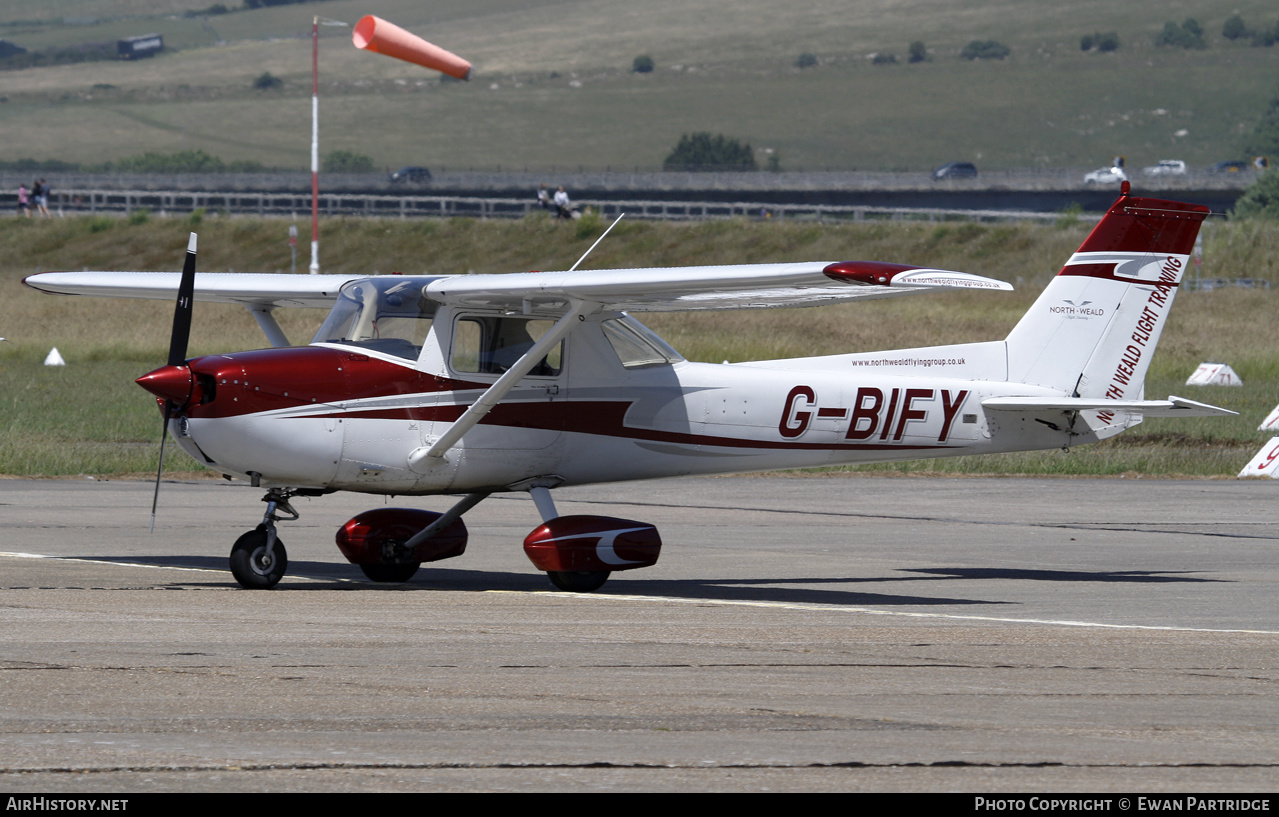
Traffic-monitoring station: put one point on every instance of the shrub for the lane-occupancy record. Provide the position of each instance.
(266, 81)
(1108, 42)
(643, 64)
(985, 50)
(918, 51)
(806, 60)
(1265, 37)
(701, 151)
(345, 161)
(884, 59)
(1188, 35)
(1085, 43)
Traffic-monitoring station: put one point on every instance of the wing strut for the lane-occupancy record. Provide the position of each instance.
(266, 322)
(472, 416)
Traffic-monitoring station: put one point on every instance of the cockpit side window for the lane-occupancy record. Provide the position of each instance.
(635, 345)
(491, 345)
(391, 316)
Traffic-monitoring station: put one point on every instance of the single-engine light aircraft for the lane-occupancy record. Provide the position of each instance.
(475, 384)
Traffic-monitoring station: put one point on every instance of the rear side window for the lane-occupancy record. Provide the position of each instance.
(637, 347)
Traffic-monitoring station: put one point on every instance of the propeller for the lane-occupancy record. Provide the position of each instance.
(177, 358)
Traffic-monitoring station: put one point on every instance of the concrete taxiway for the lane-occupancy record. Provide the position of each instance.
(798, 633)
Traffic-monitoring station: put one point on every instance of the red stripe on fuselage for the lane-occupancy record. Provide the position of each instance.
(606, 419)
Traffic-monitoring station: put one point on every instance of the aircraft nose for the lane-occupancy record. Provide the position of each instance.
(173, 384)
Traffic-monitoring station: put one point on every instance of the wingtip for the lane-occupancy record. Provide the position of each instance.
(191, 243)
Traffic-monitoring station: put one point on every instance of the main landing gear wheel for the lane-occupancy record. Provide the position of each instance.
(253, 565)
(573, 582)
(389, 573)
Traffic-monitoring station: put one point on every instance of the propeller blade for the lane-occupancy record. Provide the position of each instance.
(164, 432)
(182, 311)
(177, 353)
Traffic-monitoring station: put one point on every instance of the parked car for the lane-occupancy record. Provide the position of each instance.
(1106, 175)
(1230, 167)
(1166, 167)
(411, 175)
(955, 170)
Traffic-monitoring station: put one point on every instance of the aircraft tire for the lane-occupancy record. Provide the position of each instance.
(253, 567)
(584, 582)
(390, 574)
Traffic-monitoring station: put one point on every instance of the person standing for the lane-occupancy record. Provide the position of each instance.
(23, 201)
(40, 195)
(42, 200)
(562, 207)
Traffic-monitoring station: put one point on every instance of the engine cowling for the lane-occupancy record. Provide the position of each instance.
(579, 544)
(378, 537)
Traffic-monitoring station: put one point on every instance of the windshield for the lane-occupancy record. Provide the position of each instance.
(390, 315)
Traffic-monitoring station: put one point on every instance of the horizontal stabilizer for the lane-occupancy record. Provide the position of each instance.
(1172, 407)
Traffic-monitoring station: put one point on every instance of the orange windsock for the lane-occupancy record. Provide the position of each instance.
(377, 35)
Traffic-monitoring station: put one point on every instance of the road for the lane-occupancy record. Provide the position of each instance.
(799, 633)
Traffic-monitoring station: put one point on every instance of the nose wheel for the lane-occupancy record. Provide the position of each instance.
(258, 558)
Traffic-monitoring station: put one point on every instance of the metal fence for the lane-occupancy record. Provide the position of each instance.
(298, 206)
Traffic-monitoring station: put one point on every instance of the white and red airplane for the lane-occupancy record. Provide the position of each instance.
(476, 384)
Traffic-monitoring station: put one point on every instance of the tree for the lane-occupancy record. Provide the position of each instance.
(1260, 200)
(1234, 28)
(884, 59)
(918, 51)
(985, 50)
(643, 64)
(345, 161)
(701, 151)
(1108, 41)
(1264, 140)
(806, 60)
(1086, 43)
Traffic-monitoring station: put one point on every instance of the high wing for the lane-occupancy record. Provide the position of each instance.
(266, 290)
(658, 289)
(672, 289)
(661, 289)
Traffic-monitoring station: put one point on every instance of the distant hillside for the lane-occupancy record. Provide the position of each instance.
(554, 88)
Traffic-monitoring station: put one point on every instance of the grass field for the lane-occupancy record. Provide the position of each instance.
(89, 417)
(553, 86)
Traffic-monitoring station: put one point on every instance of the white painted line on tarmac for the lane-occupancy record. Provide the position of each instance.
(779, 605)
(827, 608)
(113, 563)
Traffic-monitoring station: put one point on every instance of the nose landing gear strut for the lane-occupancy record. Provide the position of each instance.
(258, 558)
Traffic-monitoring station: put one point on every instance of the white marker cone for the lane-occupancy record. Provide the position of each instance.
(53, 358)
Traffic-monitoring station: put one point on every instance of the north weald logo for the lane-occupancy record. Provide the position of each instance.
(1082, 310)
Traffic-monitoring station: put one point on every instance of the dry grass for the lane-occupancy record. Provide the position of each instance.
(553, 85)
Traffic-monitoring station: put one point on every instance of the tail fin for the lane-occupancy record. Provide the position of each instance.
(1093, 330)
